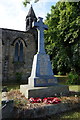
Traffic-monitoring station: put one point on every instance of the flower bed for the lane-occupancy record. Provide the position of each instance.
(20, 101)
(48, 100)
(37, 107)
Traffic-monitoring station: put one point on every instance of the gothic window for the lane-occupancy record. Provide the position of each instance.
(18, 57)
(21, 52)
(16, 51)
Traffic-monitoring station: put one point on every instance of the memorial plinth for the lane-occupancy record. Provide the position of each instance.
(42, 76)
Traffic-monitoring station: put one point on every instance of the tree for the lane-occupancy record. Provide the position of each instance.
(25, 2)
(62, 40)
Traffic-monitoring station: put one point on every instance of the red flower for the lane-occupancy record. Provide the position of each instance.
(48, 100)
(31, 99)
(56, 100)
(35, 100)
(51, 100)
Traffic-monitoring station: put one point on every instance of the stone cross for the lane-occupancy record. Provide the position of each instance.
(41, 27)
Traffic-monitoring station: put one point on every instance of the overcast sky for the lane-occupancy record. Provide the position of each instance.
(13, 13)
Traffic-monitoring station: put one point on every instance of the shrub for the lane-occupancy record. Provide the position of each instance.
(73, 78)
(59, 73)
(18, 76)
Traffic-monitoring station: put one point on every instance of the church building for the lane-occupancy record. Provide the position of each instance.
(18, 50)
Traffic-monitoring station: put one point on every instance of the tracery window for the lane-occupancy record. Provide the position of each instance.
(18, 56)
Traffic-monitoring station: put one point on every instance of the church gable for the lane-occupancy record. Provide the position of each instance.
(19, 48)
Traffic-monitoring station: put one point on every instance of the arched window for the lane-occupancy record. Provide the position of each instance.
(16, 52)
(21, 52)
(18, 57)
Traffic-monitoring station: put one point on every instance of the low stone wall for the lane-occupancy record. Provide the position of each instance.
(47, 110)
(7, 109)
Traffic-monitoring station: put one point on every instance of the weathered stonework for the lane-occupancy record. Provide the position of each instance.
(21, 44)
(46, 111)
(10, 67)
(42, 73)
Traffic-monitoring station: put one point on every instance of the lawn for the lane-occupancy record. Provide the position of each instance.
(75, 88)
(9, 87)
(70, 115)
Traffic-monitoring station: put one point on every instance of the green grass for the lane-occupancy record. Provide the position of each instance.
(60, 76)
(70, 115)
(9, 87)
(74, 115)
(75, 88)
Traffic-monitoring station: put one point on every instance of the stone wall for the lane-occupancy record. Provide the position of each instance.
(0, 67)
(0, 56)
(11, 69)
(7, 109)
(45, 111)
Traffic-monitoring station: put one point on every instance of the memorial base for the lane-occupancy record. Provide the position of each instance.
(43, 81)
(42, 92)
(42, 74)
